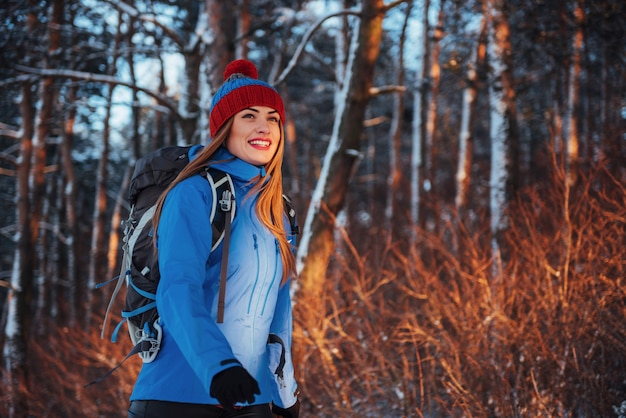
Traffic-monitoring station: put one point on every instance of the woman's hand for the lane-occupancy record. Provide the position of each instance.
(234, 385)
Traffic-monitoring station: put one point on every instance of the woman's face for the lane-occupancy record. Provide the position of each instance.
(254, 135)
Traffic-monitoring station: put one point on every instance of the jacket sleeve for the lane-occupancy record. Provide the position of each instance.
(284, 391)
(184, 245)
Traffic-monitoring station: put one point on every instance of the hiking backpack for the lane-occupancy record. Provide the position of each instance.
(139, 267)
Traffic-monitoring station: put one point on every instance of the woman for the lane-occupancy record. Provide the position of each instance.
(204, 368)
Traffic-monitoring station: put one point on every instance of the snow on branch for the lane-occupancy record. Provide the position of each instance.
(99, 78)
(149, 18)
(305, 40)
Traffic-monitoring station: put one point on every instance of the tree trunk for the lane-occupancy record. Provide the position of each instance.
(419, 128)
(69, 196)
(505, 148)
(395, 163)
(466, 142)
(342, 154)
(98, 259)
(243, 28)
(19, 296)
(29, 208)
(328, 199)
(431, 120)
(571, 120)
(223, 26)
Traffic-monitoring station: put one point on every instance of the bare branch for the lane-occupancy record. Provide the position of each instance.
(147, 17)
(99, 78)
(375, 91)
(10, 133)
(305, 40)
(15, 80)
(6, 284)
(394, 4)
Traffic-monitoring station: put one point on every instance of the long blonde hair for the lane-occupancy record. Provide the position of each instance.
(269, 207)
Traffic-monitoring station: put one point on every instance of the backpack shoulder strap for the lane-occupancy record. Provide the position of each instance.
(222, 214)
(221, 183)
(291, 214)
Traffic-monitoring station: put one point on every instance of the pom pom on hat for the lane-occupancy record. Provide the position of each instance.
(242, 89)
(243, 67)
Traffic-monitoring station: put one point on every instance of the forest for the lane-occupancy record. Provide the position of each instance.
(458, 170)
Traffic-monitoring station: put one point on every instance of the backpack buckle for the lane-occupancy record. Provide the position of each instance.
(226, 201)
(150, 341)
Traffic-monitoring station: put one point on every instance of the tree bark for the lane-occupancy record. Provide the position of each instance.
(342, 154)
(505, 148)
(395, 163)
(98, 259)
(69, 196)
(419, 127)
(19, 296)
(432, 154)
(571, 119)
(30, 189)
(328, 199)
(466, 137)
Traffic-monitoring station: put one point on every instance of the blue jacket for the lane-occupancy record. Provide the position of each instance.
(194, 344)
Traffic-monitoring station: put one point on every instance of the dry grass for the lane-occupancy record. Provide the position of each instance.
(442, 331)
(64, 361)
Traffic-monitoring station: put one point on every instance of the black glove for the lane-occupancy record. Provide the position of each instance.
(234, 385)
(291, 412)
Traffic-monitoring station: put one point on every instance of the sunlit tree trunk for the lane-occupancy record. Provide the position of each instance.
(223, 28)
(571, 120)
(18, 299)
(317, 243)
(222, 22)
(329, 195)
(468, 117)
(30, 190)
(432, 154)
(243, 27)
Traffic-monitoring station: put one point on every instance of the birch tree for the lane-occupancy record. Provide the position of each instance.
(503, 132)
(432, 151)
(468, 115)
(329, 195)
(16, 328)
(418, 126)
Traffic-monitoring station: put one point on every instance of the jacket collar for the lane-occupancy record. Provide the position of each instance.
(223, 160)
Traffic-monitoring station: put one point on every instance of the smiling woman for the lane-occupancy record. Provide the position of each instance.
(239, 361)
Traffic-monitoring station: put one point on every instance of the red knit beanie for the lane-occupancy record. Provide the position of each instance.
(242, 89)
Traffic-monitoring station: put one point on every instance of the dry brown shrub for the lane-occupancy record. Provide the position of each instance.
(443, 331)
(63, 361)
